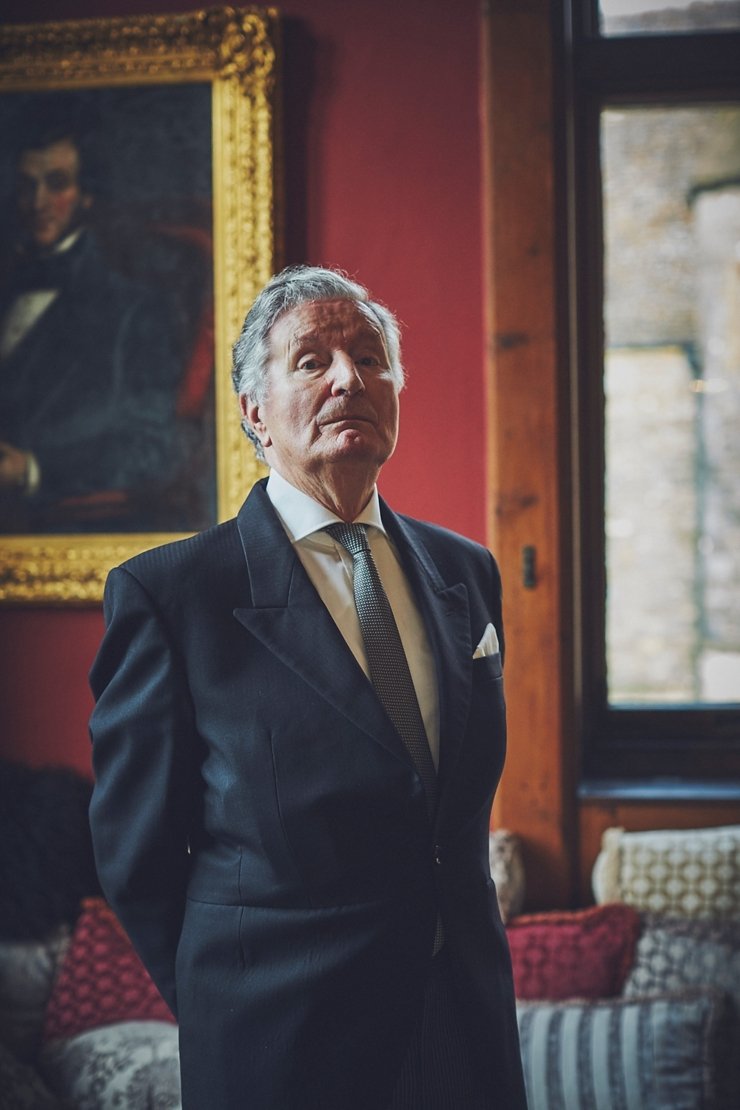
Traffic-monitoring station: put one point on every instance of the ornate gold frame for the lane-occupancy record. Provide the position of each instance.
(235, 50)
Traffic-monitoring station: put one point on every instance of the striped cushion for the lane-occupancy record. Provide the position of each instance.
(652, 1053)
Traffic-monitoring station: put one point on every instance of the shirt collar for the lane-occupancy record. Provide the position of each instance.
(68, 242)
(302, 516)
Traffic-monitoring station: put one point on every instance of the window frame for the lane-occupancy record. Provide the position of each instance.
(625, 743)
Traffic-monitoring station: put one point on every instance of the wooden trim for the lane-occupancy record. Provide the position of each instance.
(638, 65)
(540, 466)
(527, 417)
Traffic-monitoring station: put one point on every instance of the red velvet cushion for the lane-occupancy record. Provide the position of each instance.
(584, 954)
(101, 980)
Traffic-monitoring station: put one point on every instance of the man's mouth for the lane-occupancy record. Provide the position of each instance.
(348, 418)
(41, 225)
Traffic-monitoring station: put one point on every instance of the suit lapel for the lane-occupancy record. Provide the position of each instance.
(445, 612)
(289, 618)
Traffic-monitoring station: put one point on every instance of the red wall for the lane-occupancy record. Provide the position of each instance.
(383, 178)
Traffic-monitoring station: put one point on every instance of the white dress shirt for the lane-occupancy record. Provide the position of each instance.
(330, 567)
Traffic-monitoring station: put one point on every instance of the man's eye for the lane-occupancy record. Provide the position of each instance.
(309, 364)
(368, 360)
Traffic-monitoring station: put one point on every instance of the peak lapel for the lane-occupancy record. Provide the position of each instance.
(289, 618)
(446, 614)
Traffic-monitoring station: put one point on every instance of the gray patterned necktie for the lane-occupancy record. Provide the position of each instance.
(389, 668)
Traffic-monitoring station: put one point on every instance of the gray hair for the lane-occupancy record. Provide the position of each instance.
(294, 286)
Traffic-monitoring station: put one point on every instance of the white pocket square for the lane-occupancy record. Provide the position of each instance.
(488, 645)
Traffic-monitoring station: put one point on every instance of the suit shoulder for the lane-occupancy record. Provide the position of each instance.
(200, 557)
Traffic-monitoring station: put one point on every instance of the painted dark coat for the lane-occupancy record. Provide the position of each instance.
(91, 389)
(263, 835)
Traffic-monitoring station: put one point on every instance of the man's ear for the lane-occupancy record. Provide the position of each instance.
(252, 414)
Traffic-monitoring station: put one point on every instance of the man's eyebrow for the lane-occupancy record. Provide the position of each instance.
(361, 331)
(308, 337)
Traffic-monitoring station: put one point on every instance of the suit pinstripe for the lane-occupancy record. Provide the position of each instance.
(263, 834)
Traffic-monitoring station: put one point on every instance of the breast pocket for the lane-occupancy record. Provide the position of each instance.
(488, 668)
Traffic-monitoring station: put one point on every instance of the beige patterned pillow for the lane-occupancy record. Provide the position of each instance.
(27, 970)
(133, 1065)
(680, 872)
(507, 871)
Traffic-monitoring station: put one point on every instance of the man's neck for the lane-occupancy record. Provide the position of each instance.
(345, 494)
(60, 248)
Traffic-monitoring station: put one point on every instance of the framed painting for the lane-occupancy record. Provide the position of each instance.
(136, 227)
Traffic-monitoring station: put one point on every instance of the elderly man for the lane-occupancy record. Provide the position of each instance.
(298, 733)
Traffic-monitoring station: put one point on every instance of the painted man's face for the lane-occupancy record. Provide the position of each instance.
(50, 201)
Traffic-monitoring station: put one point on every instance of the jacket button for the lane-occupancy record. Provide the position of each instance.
(438, 854)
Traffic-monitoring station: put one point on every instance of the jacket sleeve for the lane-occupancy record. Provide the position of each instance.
(146, 774)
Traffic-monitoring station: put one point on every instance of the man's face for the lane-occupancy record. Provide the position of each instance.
(331, 398)
(50, 202)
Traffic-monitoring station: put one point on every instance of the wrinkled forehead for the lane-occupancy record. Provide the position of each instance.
(329, 321)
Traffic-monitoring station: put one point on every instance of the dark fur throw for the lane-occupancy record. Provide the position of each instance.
(46, 858)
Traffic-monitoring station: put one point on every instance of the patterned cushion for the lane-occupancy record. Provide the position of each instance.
(682, 873)
(133, 1065)
(27, 971)
(101, 980)
(679, 952)
(584, 954)
(653, 1053)
(673, 954)
(21, 1088)
(507, 871)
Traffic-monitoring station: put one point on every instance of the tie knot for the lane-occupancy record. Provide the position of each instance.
(351, 536)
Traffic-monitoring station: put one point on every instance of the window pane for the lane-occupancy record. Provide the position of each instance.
(649, 17)
(671, 180)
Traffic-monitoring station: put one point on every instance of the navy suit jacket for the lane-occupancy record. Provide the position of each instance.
(262, 832)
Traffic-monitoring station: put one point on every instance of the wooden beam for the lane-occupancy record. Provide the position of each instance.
(527, 438)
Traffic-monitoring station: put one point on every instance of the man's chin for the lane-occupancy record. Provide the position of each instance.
(44, 241)
(353, 437)
(354, 446)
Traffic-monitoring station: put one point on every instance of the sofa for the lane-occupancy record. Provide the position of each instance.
(632, 1003)
(75, 1003)
(81, 1023)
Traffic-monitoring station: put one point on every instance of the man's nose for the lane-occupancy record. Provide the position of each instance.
(345, 377)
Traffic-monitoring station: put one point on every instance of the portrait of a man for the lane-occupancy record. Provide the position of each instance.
(99, 325)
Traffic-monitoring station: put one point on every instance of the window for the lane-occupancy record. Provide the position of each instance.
(650, 17)
(656, 158)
